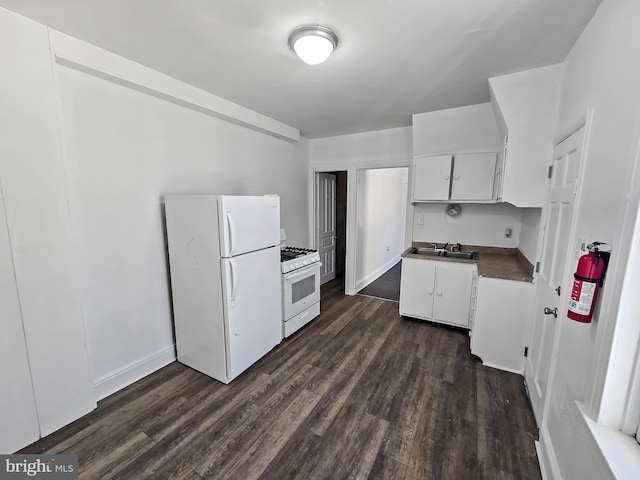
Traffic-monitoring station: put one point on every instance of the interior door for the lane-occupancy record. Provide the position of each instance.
(326, 219)
(252, 306)
(552, 277)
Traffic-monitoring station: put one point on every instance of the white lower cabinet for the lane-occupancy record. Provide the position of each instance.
(437, 291)
(502, 323)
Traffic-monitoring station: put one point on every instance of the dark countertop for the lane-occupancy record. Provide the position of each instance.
(492, 262)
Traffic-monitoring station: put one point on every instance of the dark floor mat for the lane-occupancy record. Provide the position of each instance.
(386, 286)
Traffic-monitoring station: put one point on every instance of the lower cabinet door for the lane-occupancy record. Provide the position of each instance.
(452, 298)
(417, 288)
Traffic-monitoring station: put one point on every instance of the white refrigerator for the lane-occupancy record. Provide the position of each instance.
(224, 259)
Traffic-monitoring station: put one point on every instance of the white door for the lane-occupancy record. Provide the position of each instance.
(326, 193)
(248, 223)
(473, 176)
(552, 278)
(252, 307)
(18, 416)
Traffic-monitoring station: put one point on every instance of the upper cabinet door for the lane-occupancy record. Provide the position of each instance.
(431, 177)
(473, 176)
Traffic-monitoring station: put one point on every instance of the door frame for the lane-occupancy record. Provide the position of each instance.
(587, 122)
(352, 191)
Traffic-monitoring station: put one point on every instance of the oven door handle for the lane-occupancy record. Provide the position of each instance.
(304, 271)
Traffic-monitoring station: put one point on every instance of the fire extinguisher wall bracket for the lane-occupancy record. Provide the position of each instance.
(587, 281)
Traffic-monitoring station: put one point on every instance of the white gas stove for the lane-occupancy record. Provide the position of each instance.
(294, 258)
(300, 287)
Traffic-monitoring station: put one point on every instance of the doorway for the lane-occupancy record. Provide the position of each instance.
(331, 223)
(381, 208)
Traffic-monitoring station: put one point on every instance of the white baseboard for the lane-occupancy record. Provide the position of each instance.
(118, 379)
(378, 272)
(502, 367)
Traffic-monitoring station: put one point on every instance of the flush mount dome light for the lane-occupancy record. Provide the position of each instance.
(313, 43)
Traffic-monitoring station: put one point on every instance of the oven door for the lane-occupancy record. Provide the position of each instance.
(300, 290)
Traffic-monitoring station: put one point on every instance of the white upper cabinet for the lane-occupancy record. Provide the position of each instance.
(525, 106)
(431, 178)
(455, 154)
(473, 176)
(468, 177)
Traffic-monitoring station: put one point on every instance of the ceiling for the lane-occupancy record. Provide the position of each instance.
(394, 58)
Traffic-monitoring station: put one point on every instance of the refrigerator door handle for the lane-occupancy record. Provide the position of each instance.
(230, 224)
(233, 280)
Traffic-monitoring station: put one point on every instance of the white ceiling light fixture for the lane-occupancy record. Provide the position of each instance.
(313, 43)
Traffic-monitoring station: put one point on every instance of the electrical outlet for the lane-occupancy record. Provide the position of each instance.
(420, 220)
(507, 232)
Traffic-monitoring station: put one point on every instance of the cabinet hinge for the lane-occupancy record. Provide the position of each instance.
(526, 351)
(537, 267)
(550, 172)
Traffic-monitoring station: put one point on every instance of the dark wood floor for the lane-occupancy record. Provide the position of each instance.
(387, 285)
(359, 393)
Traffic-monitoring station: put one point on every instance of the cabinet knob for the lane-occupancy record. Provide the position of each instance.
(456, 177)
(446, 177)
(439, 294)
(430, 292)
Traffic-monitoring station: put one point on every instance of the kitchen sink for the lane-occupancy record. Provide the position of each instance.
(467, 255)
(439, 252)
(430, 252)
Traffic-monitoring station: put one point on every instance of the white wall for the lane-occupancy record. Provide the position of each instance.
(93, 141)
(125, 149)
(529, 232)
(370, 149)
(18, 415)
(381, 205)
(478, 224)
(380, 149)
(39, 228)
(601, 74)
(456, 130)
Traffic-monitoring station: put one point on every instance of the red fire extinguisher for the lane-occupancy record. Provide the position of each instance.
(587, 281)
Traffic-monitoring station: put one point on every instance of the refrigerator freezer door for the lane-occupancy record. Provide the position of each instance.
(248, 224)
(252, 305)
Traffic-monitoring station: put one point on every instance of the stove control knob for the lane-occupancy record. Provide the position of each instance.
(305, 262)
